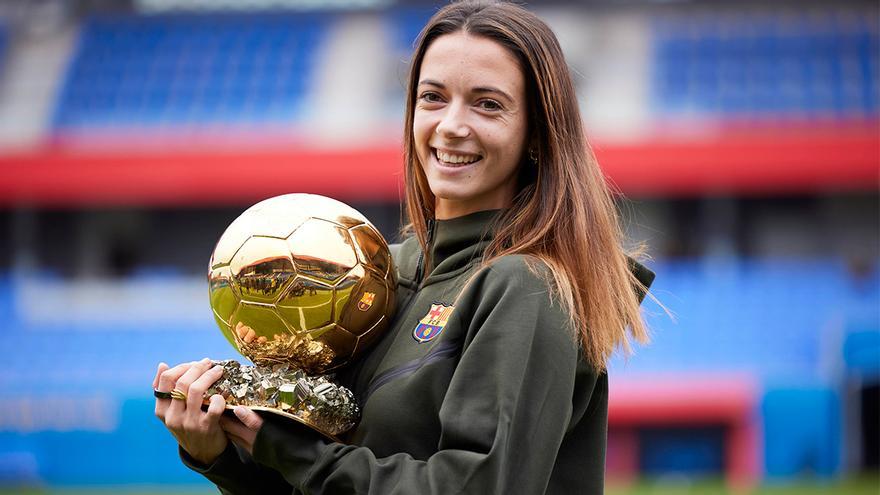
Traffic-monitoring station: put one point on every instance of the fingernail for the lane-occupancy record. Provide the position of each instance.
(206, 360)
(240, 411)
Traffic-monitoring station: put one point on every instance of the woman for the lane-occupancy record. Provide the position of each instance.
(515, 291)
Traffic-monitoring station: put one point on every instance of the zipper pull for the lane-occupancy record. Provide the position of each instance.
(430, 232)
(421, 266)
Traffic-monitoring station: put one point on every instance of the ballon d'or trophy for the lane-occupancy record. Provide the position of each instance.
(299, 284)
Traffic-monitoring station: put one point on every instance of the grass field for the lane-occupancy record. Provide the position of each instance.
(859, 486)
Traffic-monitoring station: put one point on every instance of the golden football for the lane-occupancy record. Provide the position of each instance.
(301, 279)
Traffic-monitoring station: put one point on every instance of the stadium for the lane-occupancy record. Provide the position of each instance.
(743, 137)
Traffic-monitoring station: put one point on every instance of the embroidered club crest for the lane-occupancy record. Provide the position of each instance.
(432, 324)
(366, 301)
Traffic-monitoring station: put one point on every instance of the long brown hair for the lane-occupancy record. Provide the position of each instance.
(563, 214)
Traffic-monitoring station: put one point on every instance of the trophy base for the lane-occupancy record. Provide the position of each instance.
(304, 421)
(314, 401)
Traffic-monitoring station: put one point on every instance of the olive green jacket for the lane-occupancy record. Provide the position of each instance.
(489, 397)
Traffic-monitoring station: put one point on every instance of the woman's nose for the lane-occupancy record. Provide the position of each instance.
(454, 123)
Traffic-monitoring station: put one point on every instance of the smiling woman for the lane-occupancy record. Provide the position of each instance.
(513, 291)
(470, 124)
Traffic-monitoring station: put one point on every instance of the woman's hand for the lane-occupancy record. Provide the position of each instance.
(198, 432)
(242, 431)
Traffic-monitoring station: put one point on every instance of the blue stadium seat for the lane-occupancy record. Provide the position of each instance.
(4, 45)
(767, 318)
(141, 72)
(749, 65)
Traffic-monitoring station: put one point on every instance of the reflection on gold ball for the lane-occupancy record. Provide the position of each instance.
(301, 279)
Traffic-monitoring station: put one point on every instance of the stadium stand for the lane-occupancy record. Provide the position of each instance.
(755, 317)
(4, 41)
(767, 65)
(136, 71)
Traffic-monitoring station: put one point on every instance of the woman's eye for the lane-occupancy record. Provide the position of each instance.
(430, 97)
(491, 105)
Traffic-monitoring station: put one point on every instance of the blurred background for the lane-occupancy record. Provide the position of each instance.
(744, 136)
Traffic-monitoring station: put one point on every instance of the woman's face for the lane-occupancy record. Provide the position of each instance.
(469, 123)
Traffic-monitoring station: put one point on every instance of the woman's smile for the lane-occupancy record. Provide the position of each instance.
(455, 158)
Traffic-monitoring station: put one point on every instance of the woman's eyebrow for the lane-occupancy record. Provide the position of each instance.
(431, 82)
(479, 89)
(490, 89)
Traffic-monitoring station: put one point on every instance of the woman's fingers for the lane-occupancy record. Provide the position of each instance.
(248, 417)
(182, 384)
(169, 377)
(216, 406)
(234, 430)
(242, 430)
(161, 404)
(232, 426)
(197, 432)
(162, 367)
(245, 420)
(166, 378)
(195, 396)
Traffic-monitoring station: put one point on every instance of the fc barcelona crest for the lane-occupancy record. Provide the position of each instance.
(366, 301)
(432, 324)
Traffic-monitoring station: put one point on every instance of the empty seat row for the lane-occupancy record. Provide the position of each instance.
(802, 63)
(144, 70)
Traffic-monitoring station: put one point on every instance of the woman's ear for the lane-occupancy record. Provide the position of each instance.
(532, 151)
(534, 138)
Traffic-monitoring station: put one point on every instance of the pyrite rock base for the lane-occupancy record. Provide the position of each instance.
(281, 389)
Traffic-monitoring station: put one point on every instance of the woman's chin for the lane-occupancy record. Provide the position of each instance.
(450, 195)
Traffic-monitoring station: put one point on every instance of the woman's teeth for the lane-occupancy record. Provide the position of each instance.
(456, 159)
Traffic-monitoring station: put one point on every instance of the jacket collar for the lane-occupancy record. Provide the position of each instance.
(456, 242)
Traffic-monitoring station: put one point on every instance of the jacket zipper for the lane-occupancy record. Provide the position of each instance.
(418, 275)
(419, 269)
(442, 351)
(409, 302)
(421, 266)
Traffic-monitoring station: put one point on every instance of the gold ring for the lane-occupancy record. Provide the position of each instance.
(178, 394)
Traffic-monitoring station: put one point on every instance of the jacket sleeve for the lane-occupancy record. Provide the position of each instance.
(235, 473)
(503, 418)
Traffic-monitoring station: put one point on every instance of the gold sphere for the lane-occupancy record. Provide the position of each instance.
(302, 279)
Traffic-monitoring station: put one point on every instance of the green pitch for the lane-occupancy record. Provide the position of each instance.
(869, 485)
